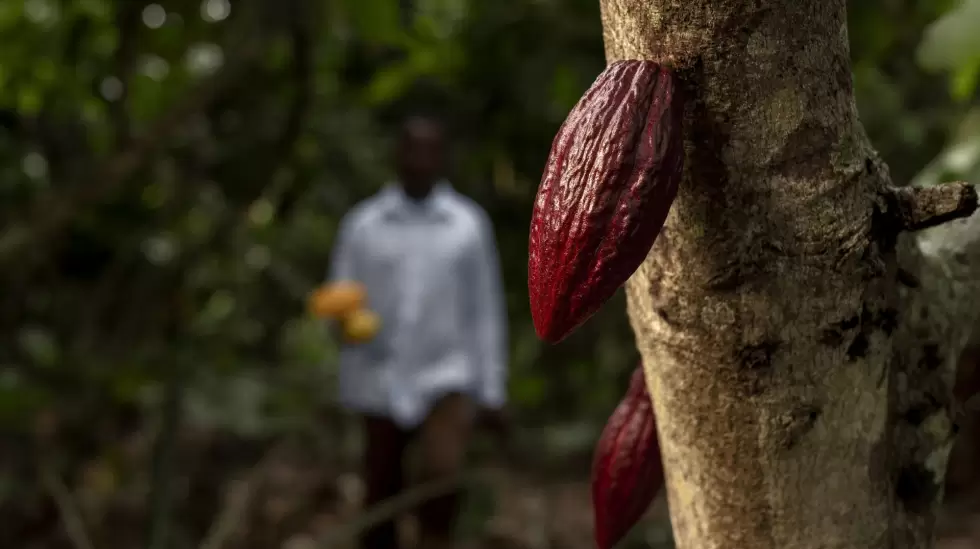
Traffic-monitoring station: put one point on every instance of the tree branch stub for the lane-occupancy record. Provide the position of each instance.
(769, 311)
(917, 208)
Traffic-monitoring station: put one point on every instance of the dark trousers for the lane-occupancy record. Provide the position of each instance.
(441, 443)
(963, 475)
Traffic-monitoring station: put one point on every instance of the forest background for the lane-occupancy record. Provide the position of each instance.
(171, 180)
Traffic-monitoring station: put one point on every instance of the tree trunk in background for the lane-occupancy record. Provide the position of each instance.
(803, 393)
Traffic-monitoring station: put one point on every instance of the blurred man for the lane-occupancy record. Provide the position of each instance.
(428, 260)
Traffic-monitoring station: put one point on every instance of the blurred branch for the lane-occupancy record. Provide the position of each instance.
(71, 518)
(406, 10)
(390, 508)
(128, 19)
(105, 295)
(60, 138)
(293, 283)
(237, 502)
(301, 35)
(304, 14)
(918, 208)
(77, 33)
(57, 209)
(161, 484)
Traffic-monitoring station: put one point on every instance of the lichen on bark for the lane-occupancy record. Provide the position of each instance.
(782, 355)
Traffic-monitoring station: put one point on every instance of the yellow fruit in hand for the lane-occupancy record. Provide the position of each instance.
(337, 300)
(361, 326)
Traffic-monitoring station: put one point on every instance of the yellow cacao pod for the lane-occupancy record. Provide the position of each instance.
(361, 326)
(337, 299)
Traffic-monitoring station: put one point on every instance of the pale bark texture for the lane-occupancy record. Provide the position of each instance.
(803, 393)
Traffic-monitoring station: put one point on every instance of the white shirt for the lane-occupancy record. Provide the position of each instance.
(432, 273)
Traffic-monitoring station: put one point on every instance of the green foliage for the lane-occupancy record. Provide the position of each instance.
(951, 47)
(908, 91)
(209, 248)
(241, 235)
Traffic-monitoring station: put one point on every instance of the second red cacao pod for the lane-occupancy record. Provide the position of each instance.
(610, 180)
(627, 471)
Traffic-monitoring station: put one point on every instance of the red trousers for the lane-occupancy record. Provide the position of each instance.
(441, 443)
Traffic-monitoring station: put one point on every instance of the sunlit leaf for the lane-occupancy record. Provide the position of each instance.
(389, 83)
(952, 40)
(957, 161)
(375, 21)
(29, 100)
(964, 81)
(40, 345)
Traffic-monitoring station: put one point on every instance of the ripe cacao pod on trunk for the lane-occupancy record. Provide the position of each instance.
(608, 185)
(627, 471)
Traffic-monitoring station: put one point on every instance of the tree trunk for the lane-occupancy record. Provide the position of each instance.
(803, 393)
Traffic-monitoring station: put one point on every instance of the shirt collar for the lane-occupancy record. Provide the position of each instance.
(437, 204)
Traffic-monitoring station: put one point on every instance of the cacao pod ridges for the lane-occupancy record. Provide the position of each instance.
(627, 471)
(611, 177)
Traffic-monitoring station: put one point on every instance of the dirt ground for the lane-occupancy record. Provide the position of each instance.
(298, 498)
(527, 513)
(533, 514)
(541, 507)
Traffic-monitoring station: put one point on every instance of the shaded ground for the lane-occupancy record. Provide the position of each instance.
(535, 507)
(506, 509)
(233, 494)
(531, 512)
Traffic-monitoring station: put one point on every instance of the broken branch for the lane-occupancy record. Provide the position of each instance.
(917, 208)
(396, 505)
(237, 502)
(71, 518)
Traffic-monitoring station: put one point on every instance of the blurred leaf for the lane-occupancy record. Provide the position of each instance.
(965, 79)
(376, 21)
(19, 403)
(529, 390)
(960, 161)
(565, 87)
(390, 82)
(952, 41)
(40, 345)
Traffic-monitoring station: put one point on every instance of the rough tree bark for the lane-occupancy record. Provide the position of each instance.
(802, 381)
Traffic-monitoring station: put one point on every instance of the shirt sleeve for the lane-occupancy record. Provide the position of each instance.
(490, 329)
(343, 264)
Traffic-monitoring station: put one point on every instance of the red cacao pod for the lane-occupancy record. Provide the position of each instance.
(611, 177)
(627, 471)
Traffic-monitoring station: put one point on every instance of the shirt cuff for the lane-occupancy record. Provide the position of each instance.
(493, 396)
